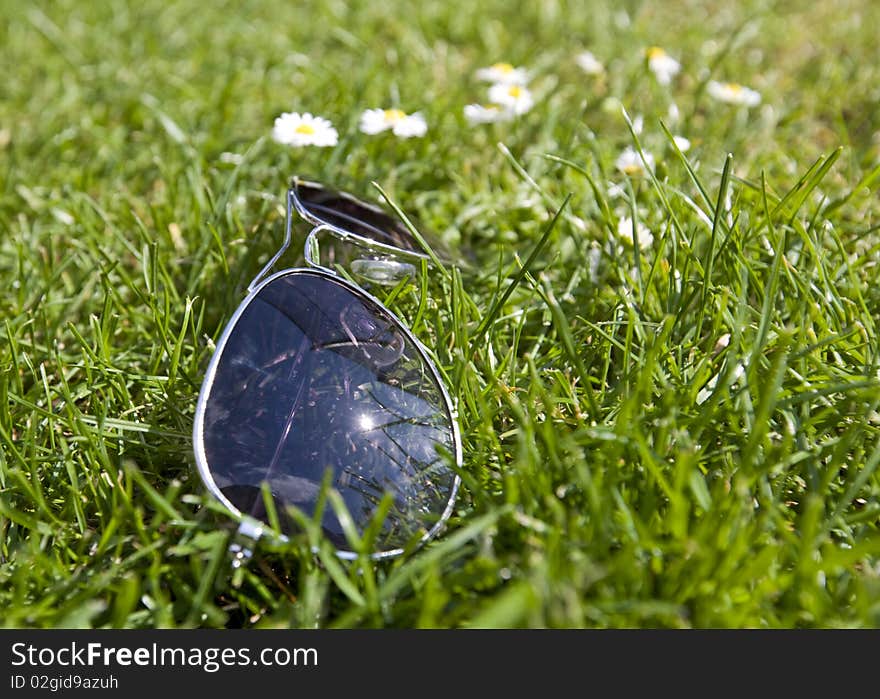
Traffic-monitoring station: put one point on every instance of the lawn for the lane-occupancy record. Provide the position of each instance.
(664, 354)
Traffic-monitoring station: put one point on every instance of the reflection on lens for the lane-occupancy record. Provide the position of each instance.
(315, 377)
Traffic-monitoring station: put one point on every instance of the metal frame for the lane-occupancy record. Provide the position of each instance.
(250, 529)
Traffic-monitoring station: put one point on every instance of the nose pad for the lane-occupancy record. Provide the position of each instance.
(384, 272)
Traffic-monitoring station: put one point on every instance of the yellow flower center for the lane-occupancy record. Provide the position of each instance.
(393, 115)
(514, 91)
(306, 129)
(632, 169)
(735, 88)
(655, 52)
(503, 67)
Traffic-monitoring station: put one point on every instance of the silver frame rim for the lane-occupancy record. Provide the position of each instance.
(208, 382)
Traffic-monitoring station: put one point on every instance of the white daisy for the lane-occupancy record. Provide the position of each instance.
(294, 129)
(629, 162)
(403, 125)
(684, 145)
(589, 63)
(516, 98)
(486, 113)
(412, 125)
(615, 190)
(733, 93)
(643, 236)
(664, 66)
(638, 124)
(503, 73)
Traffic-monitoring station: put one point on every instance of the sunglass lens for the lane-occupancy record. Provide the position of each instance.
(314, 376)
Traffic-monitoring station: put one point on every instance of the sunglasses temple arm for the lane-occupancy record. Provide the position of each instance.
(284, 245)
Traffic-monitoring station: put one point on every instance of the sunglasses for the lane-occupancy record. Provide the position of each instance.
(314, 381)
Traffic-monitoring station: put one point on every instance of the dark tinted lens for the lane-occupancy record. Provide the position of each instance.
(313, 377)
(349, 214)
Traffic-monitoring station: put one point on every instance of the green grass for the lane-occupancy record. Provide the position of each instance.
(684, 435)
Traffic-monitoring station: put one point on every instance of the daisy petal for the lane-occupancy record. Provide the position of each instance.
(403, 125)
(664, 66)
(589, 63)
(733, 93)
(486, 113)
(503, 73)
(630, 162)
(641, 236)
(516, 98)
